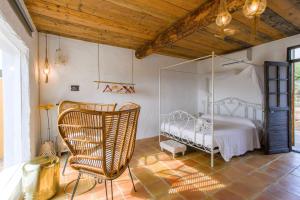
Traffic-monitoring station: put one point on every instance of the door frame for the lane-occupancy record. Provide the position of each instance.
(292, 114)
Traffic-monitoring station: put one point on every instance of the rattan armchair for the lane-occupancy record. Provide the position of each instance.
(101, 143)
(65, 105)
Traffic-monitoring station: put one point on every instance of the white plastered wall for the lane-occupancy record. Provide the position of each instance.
(81, 69)
(115, 65)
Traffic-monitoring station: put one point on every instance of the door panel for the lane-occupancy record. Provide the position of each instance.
(277, 107)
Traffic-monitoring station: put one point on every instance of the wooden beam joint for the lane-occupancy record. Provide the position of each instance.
(204, 15)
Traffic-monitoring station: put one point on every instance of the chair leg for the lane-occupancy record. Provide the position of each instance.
(111, 190)
(66, 162)
(75, 187)
(105, 189)
(131, 178)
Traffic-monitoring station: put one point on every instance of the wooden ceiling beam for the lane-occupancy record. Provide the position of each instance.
(204, 15)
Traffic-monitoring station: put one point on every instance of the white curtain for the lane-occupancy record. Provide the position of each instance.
(15, 57)
(244, 85)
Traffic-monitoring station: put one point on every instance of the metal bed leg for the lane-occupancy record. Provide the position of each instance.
(75, 187)
(66, 162)
(131, 178)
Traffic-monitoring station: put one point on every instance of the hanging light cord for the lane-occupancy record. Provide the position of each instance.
(132, 64)
(46, 47)
(99, 78)
(59, 42)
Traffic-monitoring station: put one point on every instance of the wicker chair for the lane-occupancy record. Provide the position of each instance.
(101, 143)
(65, 105)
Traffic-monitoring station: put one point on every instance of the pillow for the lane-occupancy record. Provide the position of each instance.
(200, 123)
(236, 120)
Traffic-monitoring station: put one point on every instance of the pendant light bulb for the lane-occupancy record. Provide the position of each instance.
(254, 8)
(46, 69)
(224, 17)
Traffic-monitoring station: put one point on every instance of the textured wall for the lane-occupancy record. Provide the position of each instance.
(81, 69)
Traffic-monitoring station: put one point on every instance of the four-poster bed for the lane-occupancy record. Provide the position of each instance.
(231, 126)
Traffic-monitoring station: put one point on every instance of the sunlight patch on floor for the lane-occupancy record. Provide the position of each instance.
(196, 182)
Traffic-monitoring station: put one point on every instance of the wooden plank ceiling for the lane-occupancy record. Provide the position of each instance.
(162, 26)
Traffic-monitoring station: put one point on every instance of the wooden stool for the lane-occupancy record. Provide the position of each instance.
(173, 147)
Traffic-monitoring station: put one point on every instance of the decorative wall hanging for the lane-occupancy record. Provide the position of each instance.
(46, 69)
(116, 87)
(60, 58)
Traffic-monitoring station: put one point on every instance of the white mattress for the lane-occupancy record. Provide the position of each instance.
(233, 136)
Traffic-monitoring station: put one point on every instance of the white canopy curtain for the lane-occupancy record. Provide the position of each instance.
(15, 74)
(240, 75)
(199, 99)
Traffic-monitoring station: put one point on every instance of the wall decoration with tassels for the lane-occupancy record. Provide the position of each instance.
(116, 87)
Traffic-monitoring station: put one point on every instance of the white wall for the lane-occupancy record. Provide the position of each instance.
(179, 88)
(31, 43)
(81, 69)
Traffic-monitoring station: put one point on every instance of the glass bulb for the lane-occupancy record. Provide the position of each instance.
(46, 70)
(223, 17)
(254, 8)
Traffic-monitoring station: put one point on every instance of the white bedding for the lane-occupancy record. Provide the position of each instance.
(233, 136)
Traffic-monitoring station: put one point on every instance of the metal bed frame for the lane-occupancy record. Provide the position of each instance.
(228, 107)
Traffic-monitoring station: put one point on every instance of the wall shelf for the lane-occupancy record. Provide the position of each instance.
(111, 82)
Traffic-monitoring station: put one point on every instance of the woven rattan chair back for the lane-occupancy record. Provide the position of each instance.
(64, 105)
(101, 143)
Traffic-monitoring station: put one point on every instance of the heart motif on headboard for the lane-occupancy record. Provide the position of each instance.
(235, 107)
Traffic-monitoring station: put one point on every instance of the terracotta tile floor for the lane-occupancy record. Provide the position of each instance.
(158, 176)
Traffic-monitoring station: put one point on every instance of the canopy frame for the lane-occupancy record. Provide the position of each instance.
(210, 150)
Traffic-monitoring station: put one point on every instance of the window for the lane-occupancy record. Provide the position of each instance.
(294, 60)
(16, 113)
(294, 54)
